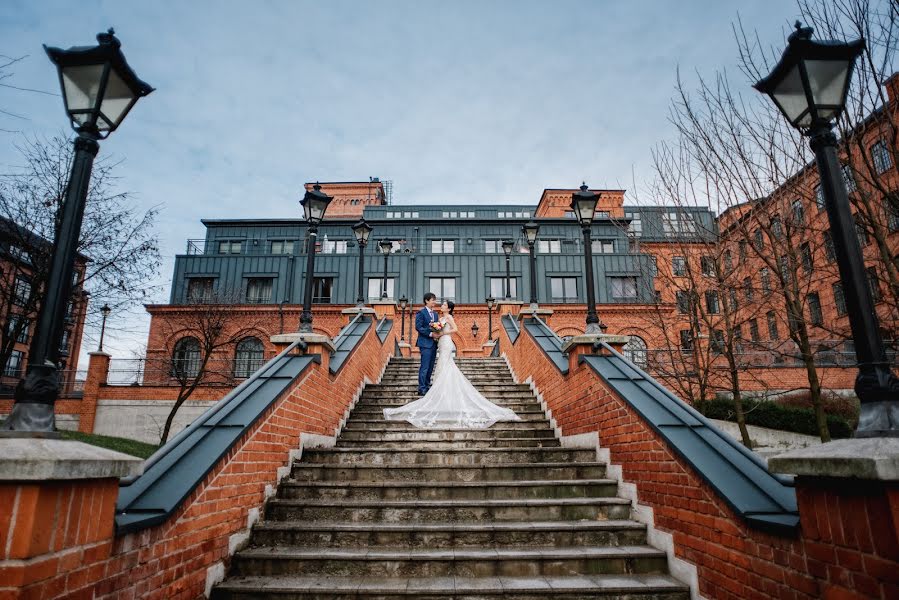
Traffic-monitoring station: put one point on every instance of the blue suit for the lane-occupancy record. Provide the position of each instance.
(428, 347)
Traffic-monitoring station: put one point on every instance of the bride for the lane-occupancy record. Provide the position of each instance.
(452, 402)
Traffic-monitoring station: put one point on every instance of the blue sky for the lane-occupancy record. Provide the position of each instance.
(456, 102)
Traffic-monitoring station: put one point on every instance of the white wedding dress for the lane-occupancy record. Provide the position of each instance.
(452, 402)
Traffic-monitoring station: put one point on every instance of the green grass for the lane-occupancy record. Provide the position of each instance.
(124, 445)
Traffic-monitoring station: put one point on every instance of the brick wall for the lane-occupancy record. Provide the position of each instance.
(847, 539)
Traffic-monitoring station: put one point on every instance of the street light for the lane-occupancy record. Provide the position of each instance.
(98, 89)
(530, 230)
(362, 231)
(474, 330)
(809, 85)
(507, 249)
(385, 246)
(404, 302)
(105, 310)
(583, 204)
(491, 301)
(315, 203)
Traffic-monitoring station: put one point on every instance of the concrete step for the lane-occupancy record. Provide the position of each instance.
(412, 434)
(303, 471)
(408, 396)
(404, 511)
(485, 387)
(570, 587)
(529, 417)
(529, 442)
(507, 561)
(445, 456)
(380, 405)
(448, 490)
(356, 423)
(376, 410)
(408, 536)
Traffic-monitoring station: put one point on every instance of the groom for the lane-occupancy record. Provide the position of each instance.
(427, 341)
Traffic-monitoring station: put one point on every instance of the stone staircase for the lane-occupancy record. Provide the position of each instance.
(398, 512)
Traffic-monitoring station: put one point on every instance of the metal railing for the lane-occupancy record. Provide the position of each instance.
(164, 371)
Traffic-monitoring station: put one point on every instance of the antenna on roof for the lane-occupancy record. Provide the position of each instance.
(388, 191)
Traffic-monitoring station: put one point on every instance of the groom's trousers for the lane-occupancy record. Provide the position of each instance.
(428, 356)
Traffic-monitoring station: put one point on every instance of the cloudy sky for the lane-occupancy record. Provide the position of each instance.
(456, 102)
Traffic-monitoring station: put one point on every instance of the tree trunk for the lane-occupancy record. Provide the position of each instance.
(814, 384)
(170, 419)
(738, 400)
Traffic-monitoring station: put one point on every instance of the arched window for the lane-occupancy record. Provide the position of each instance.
(247, 357)
(186, 358)
(635, 350)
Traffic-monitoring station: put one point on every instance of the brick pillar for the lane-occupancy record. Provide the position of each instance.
(97, 376)
(386, 308)
(583, 344)
(56, 526)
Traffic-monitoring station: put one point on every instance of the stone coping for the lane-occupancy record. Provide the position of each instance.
(527, 311)
(356, 310)
(309, 338)
(592, 338)
(36, 459)
(864, 458)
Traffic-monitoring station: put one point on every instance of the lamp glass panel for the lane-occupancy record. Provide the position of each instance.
(790, 97)
(314, 209)
(81, 86)
(827, 79)
(116, 101)
(531, 233)
(585, 207)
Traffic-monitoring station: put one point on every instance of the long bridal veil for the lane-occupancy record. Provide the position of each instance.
(452, 402)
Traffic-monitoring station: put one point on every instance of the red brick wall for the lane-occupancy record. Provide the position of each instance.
(734, 562)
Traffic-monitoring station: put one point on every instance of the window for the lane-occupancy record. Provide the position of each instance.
(282, 247)
(64, 341)
(493, 246)
(321, 289)
(848, 178)
(765, 276)
(21, 291)
(623, 287)
(186, 358)
(777, 229)
(443, 287)
(199, 289)
(603, 246)
(332, 246)
(717, 342)
(839, 300)
(20, 323)
(819, 197)
(549, 246)
(498, 287)
(635, 228)
(805, 253)
(860, 232)
(259, 290)
(375, 288)
(830, 251)
(443, 246)
(635, 350)
(563, 289)
(707, 265)
(785, 271)
(248, 357)
(772, 325)
(798, 212)
(728, 260)
(874, 284)
(657, 296)
(679, 266)
(678, 222)
(682, 299)
(757, 239)
(814, 309)
(880, 156)
(747, 288)
(753, 330)
(13, 367)
(742, 251)
(732, 295)
(711, 302)
(891, 205)
(230, 247)
(686, 340)
(19, 253)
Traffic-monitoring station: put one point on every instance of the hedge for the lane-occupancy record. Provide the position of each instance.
(764, 413)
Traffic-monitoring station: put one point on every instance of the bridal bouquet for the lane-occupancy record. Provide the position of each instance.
(436, 326)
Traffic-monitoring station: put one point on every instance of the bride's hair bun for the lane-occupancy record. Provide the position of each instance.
(451, 305)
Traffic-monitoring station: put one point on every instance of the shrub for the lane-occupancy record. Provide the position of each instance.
(775, 416)
(834, 404)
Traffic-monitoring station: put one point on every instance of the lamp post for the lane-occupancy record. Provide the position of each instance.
(507, 250)
(98, 89)
(583, 204)
(809, 85)
(404, 302)
(362, 231)
(105, 310)
(314, 203)
(385, 246)
(530, 230)
(491, 302)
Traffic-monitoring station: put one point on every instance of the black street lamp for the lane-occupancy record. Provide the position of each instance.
(530, 230)
(508, 245)
(474, 330)
(809, 85)
(583, 204)
(362, 231)
(315, 203)
(98, 89)
(105, 310)
(385, 246)
(404, 302)
(491, 302)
